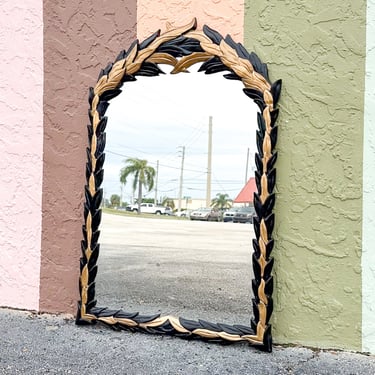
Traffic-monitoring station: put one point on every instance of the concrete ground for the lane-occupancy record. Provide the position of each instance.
(189, 269)
(47, 344)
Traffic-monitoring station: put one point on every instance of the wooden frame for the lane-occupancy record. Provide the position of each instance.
(181, 48)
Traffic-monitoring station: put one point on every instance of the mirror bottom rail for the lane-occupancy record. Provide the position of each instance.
(180, 327)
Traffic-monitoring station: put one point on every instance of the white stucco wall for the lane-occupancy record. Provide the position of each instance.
(368, 236)
(21, 149)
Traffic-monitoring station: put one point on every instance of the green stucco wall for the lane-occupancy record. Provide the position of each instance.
(318, 49)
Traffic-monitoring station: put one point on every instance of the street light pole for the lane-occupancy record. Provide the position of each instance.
(181, 179)
(209, 164)
(156, 182)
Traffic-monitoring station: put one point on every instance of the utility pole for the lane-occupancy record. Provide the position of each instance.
(209, 164)
(156, 182)
(181, 179)
(247, 165)
(121, 195)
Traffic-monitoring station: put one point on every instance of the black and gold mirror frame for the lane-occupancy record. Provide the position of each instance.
(181, 48)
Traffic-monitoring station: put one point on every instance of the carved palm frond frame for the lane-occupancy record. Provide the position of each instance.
(181, 48)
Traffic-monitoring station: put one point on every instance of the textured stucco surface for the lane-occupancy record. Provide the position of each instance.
(223, 16)
(81, 37)
(21, 147)
(318, 49)
(368, 239)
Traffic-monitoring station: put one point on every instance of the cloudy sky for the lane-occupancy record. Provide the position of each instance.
(155, 117)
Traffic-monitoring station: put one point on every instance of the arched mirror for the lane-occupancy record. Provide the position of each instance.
(205, 139)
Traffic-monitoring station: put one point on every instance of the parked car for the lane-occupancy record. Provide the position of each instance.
(148, 208)
(184, 213)
(168, 211)
(228, 215)
(244, 215)
(206, 214)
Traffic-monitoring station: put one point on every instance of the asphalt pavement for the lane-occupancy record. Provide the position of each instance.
(53, 344)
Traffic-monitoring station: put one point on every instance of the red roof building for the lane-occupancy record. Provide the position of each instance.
(246, 195)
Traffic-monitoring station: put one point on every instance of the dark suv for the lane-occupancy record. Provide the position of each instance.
(244, 215)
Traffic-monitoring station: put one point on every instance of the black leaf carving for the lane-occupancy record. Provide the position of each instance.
(259, 164)
(91, 304)
(121, 55)
(208, 325)
(259, 140)
(242, 52)
(274, 116)
(258, 181)
(102, 124)
(232, 77)
(270, 222)
(244, 330)
(271, 178)
(101, 74)
(269, 287)
(149, 70)
(269, 248)
(228, 39)
(91, 95)
(275, 91)
(261, 124)
(258, 206)
(132, 46)
(146, 318)
(258, 65)
(107, 69)
(268, 269)
(110, 94)
(256, 244)
(256, 269)
(128, 78)
(95, 222)
(100, 144)
(149, 40)
(268, 205)
(99, 163)
(99, 178)
(256, 225)
(92, 274)
(191, 325)
(253, 94)
(212, 34)
(273, 136)
(102, 108)
(271, 162)
(269, 309)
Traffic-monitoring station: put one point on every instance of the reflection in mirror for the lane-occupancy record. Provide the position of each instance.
(170, 264)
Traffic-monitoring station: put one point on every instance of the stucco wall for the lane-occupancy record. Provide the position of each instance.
(318, 49)
(21, 142)
(223, 16)
(80, 39)
(368, 239)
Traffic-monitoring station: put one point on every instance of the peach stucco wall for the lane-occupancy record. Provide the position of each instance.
(21, 148)
(227, 17)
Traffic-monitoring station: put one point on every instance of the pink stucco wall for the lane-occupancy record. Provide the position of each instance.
(21, 148)
(227, 17)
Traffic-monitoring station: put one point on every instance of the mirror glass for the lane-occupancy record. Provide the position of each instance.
(170, 263)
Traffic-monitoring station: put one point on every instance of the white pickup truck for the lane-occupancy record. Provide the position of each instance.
(148, 208)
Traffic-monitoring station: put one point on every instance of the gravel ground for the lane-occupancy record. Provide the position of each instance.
(49, 344)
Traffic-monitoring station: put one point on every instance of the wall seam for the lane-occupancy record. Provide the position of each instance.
(368, 193)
